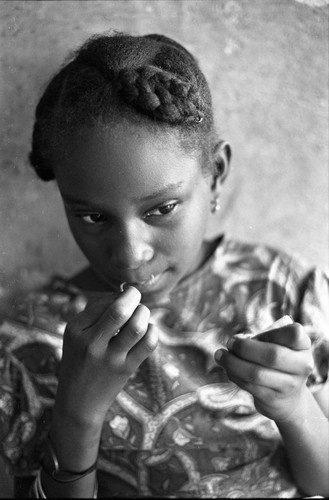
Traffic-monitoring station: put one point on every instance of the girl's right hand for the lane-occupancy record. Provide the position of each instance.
(97, 361)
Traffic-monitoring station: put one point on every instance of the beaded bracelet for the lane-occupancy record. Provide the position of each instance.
(65, 476)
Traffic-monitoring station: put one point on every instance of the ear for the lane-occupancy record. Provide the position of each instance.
(221, 158)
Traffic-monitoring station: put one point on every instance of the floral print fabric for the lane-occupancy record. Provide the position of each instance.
(179, 428)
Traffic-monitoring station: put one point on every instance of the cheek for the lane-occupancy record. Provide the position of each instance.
(190, 234)
(88, 244)
(196, 219)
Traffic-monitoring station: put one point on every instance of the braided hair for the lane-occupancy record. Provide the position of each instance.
(150, 79)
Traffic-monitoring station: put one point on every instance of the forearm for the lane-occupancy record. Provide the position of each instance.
(76, 445)
(306, 438)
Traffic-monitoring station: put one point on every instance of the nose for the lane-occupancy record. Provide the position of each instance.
(133, 246)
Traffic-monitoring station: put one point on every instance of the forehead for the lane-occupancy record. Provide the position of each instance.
(124, 160)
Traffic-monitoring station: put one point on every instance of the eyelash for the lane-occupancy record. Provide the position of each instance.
(172, 206)
(92, 222)
(168, 206)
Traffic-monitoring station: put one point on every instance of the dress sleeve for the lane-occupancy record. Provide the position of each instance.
(313, 313)
(28, 382)
(30, 351)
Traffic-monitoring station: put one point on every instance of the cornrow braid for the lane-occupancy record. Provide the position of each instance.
(150, 75)
(150, 89)
(159, 94)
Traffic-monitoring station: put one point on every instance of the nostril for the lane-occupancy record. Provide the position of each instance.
(131, 259)
(133, 247)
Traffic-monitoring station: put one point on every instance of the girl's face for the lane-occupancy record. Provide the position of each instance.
(137, 206)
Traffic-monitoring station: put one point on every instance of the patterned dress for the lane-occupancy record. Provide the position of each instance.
(180, 428)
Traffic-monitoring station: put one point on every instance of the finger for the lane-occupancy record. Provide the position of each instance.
(117, 314)
(249, 374)
(90, 315)
(131, 332)
(292, 336)
(272, 355)
(95, 308)
(258, 391)
(143, 348)
(106, 297)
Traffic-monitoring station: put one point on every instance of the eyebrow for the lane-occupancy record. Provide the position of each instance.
(161, 192)
(156, 194)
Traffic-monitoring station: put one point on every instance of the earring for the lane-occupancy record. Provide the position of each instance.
(215, 206)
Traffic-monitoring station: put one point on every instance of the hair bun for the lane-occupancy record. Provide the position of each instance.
(158, 93)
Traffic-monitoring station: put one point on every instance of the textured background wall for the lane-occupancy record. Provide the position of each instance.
(267, 64)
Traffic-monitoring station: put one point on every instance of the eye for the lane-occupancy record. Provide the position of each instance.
(92, 219)
(162, 210)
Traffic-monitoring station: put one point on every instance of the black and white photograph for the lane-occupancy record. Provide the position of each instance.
(164, 249)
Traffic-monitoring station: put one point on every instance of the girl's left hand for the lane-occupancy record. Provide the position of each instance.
(272, 366)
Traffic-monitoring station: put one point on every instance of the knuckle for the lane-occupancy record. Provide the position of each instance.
(259, 392)
(151, 340)
(271, 356)
(87, 347)
(290, 384)
(138, 324)
(91, 351)
(254, 375)
(137, 330)
(118, 313)
(150, 345)
(116, 363)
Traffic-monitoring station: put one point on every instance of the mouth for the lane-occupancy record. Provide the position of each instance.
(145, 284)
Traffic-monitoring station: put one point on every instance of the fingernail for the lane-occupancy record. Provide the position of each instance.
(244, 335)
(218, 355)
(230, 343)
(131, 289)
(124, 286)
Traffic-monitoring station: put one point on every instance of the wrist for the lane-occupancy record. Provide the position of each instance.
(300, 411)
(60, 475)
(75, 440)
(87, 422)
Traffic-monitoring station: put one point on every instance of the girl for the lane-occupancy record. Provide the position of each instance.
(157, 392)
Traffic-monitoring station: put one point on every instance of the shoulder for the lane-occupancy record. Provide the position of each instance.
(253, 261)
(267, 274)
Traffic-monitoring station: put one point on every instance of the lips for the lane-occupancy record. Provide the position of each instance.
(145, 283)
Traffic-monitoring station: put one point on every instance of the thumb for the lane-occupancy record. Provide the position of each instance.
(286, 333)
